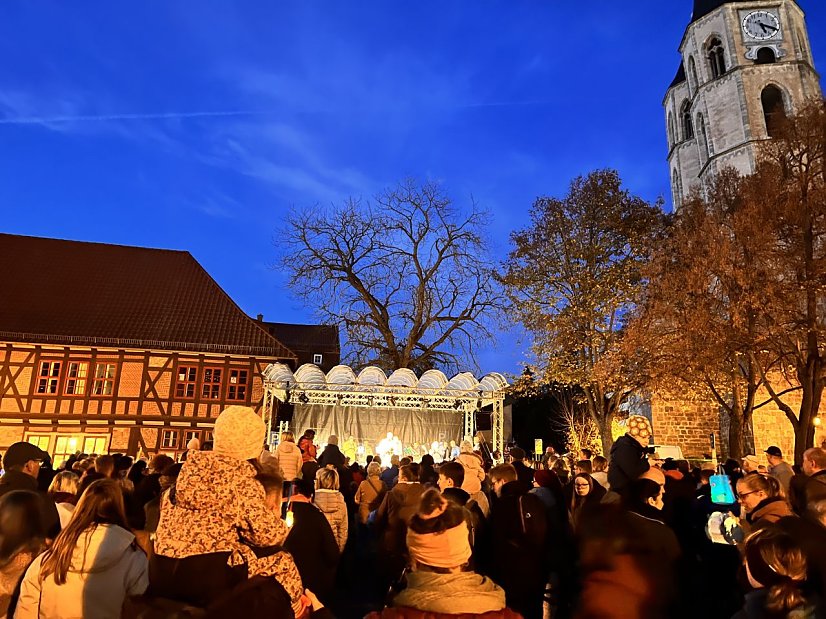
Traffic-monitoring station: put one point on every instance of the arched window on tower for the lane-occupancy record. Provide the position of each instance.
(693, 82)
(672, 135)
(716, 57)
(765, 55)
(704, 146)
(774, 109)
(687, 125)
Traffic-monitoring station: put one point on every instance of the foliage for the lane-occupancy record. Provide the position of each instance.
(406, 277)
(698, 332)
(573, 276)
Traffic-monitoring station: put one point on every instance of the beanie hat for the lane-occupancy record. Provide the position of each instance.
(639, 426)
(544, 478)
(445, 548)
(194, 444)
(239, 433)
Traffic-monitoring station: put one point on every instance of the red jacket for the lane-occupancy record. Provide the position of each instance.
(308, 449)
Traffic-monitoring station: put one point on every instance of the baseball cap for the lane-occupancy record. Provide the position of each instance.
(752, 459)
(774, 450)
(20, 453)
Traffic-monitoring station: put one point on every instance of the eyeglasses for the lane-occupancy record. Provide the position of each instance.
(741, 497)
(582, 485)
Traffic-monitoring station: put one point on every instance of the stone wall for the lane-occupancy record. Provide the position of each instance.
(686, 423)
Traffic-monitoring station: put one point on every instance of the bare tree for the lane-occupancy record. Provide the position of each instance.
(406, 276)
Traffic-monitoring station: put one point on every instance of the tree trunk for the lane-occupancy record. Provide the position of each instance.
(604, 425)
(736, 435)
(804, 432)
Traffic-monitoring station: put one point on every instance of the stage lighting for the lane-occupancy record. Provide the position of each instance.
(303, 398)
(370, 401)
(392, 400)
(457, 404)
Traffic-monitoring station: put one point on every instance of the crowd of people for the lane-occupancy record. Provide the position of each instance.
(236, 531)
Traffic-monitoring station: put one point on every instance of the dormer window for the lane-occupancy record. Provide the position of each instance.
(716, 57)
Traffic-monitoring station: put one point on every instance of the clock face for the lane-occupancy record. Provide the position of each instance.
(761, 25)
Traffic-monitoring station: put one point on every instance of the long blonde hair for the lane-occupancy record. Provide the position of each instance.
(101, 503)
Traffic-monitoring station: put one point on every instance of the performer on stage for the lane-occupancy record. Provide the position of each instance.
(388, 447)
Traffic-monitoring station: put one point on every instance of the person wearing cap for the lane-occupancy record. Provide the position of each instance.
(441, 582)
(751, 464)
(21, 463)
(628, 454)
(778, 468)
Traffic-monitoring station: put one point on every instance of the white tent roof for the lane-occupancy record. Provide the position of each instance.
(309, 377)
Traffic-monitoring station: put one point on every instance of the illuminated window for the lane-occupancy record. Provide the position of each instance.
(49, 377)
(185, 385)
(169, 439)
(76, 373)
(94, 445)
(65, 446)
(104, 382)
(237, 387)
(211, 386)
(40, 440)
(190, 434)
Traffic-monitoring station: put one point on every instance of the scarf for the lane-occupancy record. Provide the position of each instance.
(463, 592)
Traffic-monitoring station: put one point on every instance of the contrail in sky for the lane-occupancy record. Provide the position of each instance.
(43, 120)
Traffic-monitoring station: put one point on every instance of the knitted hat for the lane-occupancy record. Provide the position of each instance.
(544, 478)
(639, 426)
(444, 548)
(194, 444)
(239, 433)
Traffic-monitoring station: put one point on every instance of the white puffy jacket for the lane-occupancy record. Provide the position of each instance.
(106, 567)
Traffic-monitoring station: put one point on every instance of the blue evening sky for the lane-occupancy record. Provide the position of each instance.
(197, 124)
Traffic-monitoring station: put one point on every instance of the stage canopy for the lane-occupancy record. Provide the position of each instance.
(370, 403)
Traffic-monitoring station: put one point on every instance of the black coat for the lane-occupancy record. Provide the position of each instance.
(331, 455)
(314, 549)
(17, 480)
(524, 473)
(518, 543)
(628, 462)
(804, 489)
(810, 536)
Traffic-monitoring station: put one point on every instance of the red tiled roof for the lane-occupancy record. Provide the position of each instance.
(113, 295)
(315, 338)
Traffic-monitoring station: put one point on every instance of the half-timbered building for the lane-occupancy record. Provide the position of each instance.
(108, 348)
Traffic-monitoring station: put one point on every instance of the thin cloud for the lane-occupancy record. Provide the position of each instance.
(45, 120)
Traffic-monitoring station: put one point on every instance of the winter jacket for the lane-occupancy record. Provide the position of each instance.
(396, 509)
(10, 576)
(107, 566)
(806, 490)
(519, 547)
(768, 511)
(331, 455)
(474, 472)
(314, 549)
(289, 460)
(213, 517)
(628, 462)
(308, 448)
(369, 496)
(17, 480)
(783, 472)
(621, 591)
(466, 592)
(331, 503)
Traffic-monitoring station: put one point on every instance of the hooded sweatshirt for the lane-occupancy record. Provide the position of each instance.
(289, 459)
(107, 566)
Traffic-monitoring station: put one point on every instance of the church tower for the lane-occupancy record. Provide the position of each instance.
(745, 63)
